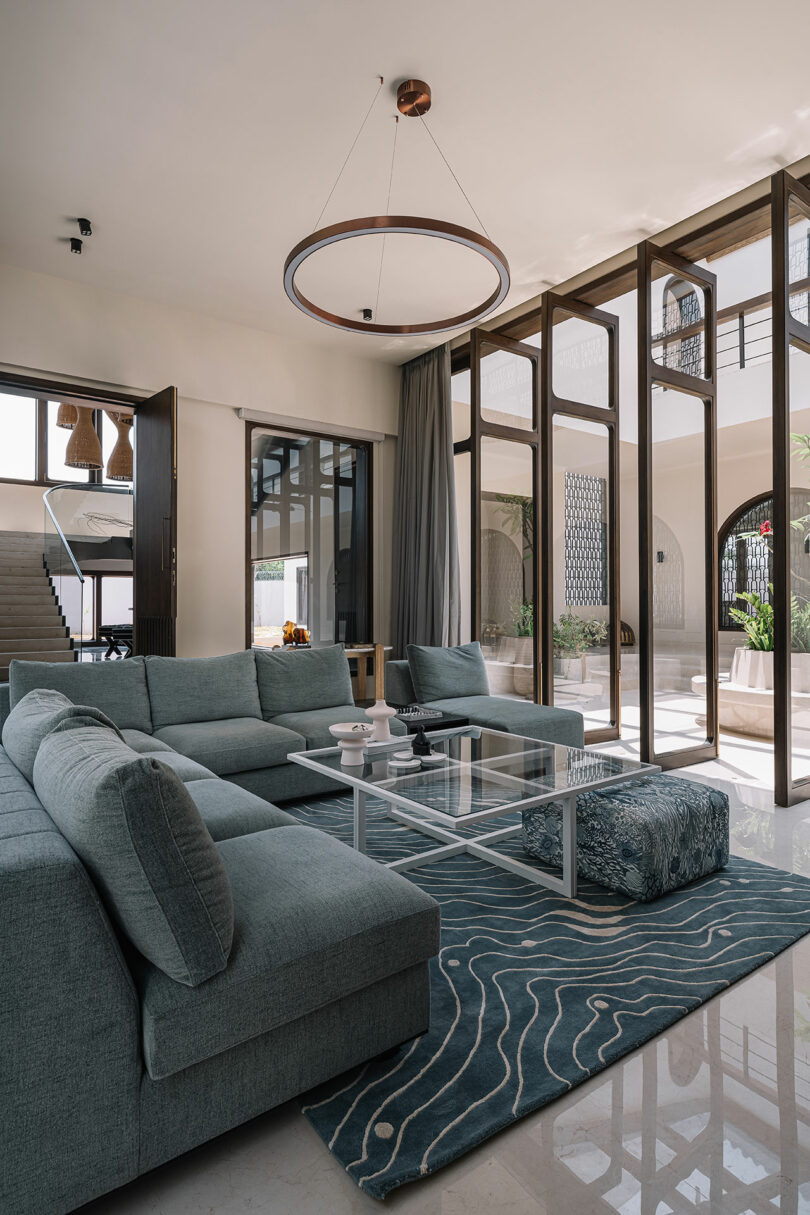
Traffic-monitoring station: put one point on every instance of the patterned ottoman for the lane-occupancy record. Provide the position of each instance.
(642, 838)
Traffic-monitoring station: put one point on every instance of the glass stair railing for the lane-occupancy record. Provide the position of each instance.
(85, 527)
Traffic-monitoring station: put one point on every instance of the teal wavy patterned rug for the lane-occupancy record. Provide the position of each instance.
(533, 993)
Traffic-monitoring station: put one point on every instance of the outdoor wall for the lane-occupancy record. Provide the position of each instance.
(58, 329)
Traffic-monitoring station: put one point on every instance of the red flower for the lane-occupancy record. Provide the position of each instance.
(765, 528)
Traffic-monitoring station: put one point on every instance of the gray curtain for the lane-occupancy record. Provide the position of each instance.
(425, 599)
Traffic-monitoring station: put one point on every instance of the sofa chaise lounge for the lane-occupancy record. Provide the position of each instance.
(455, 680)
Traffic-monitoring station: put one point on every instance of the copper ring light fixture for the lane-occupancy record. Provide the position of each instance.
(413, 101)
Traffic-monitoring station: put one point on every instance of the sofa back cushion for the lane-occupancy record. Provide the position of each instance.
(134, 825)
(117, 688)
(291, 681)
(440, 672)
(36, 715)
(202, 689)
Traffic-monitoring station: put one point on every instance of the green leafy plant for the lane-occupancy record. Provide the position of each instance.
(517, 513)
(757, 623)
(573, 635)
(799, 626)
(523, 619)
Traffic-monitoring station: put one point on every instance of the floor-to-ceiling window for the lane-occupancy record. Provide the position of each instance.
(310, 537)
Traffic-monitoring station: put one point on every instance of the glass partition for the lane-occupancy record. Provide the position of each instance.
(309, 538)
(507, 390)
(679, 571)
(581, 587)
(580, 360)
(678, 319)
(507, 588)
(799, 259)
(799, 566)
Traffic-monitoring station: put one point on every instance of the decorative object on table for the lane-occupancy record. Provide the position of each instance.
(414, 713)
(295, 634)
(413, 101)
(352, 737)
(119, 464)
(84, 446)
(403, 761)
(381, 714)
(420, 744)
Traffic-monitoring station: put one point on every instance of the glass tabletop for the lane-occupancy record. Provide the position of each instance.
(480, 770)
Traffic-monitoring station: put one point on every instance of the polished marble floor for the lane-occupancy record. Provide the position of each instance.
(713, 1116)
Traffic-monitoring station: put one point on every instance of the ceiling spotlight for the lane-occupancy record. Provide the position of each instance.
(84, 227)
(366, 314)
(75, 245)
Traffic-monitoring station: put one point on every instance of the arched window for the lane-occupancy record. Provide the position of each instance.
(746, 557)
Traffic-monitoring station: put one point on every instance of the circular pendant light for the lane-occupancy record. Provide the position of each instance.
(83, 448)
(413, 101)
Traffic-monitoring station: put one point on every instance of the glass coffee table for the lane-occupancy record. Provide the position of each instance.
(482, 775)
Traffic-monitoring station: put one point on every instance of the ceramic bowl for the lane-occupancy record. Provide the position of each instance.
(354, 731)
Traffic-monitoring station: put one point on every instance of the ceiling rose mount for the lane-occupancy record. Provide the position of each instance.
(414, 99)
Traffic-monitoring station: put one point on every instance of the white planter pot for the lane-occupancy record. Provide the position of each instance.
(754, 669)
(572, 669)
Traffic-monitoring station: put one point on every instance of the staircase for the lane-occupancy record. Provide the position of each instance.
(31, 621)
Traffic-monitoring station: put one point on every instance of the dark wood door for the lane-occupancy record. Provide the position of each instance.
(155, 528)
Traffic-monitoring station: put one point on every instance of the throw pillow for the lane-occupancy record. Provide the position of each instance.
(134, 825)
(36, 715)
(293, 681)
(439, 672)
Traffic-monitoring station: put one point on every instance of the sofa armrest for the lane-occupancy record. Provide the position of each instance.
(70, 1064)
(5, 702)
(399, 688)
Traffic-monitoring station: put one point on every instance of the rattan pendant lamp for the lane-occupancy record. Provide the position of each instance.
(66, 416)
(84, 448)
(413, 101)
(119, 465)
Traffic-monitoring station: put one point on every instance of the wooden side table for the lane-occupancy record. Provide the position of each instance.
(361, 654)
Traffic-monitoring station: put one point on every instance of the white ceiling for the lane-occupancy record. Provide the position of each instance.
(202, 137)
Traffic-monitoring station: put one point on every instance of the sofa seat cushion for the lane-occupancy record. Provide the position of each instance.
(314, 724)
(517, 717)
(141, 838)
(202, 689)
(36, 715)
(236, 744)
(143, 744)
(314, 922)
(187, 769)
(457, 670)
(117, 688)
(291, 681)
(228, 810)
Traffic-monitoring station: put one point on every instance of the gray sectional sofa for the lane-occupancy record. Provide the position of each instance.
(177, 954)
(455, 680)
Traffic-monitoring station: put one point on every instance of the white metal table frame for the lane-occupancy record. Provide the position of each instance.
(401, 809)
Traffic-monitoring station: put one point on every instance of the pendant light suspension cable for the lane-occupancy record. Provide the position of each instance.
(387, 212)
(349, 153)
(481, 223)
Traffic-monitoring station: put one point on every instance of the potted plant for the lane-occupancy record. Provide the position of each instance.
(752, 666)
(573, 637)
(523, 624)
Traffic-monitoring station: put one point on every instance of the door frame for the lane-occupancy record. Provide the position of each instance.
(608, 416)
(651, 375)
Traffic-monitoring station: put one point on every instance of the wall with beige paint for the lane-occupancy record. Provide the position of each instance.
(63, 330)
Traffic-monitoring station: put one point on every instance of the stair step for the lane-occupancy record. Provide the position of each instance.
(44, 656)
(44, 596)
(21, 560)
(23, 645)
(50, 629)
(35, 576)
